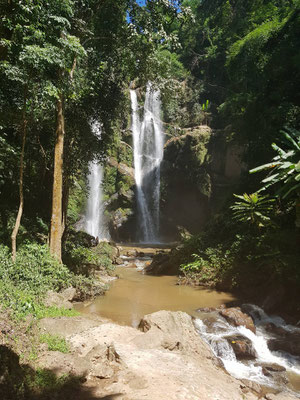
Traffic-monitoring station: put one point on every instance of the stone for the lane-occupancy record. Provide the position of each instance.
(56, 299)
(242, 347)
(236, 317)
(253, 386)
(211, 309)
(278, 330)
(161, 264)
(64, 364)
(290, 343)
(69, 294)
(101, 371)
(169, 360)
(274, 367)
(277, 372)
(64, 326)
(172, 331)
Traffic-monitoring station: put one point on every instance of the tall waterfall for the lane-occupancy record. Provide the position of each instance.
(148, 143)
(94, 215)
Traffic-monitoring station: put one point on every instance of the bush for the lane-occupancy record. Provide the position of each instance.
(24, 283)
(244, 258)
(78, 257)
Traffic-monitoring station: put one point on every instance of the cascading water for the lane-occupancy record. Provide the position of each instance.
(217, 334)
(94, 215)
(148, 143)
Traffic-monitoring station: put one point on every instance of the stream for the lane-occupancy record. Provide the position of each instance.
(136, 294)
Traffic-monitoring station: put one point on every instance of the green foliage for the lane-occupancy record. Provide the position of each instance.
(25, 282)
(254, 209)
(77, 200)
(55, 342)
(285, 166)
(47, 384)
(77, 256)
(244, 53)
(243, 260)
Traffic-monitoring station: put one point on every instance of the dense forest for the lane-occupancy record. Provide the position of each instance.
(228, 73)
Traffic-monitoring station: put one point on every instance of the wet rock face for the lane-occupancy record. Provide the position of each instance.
(236, 317)
(160, 264)
(242, 347)
(278, 330)
(290, 343)
(275, 371)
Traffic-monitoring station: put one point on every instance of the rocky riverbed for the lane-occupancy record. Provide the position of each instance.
(216, 352)
(165, 358)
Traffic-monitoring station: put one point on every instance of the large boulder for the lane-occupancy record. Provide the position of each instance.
(290, 343)
(172, 331)
(54, 299)
(242, 347)
(236, 317)
(160, 265)
(165, 359)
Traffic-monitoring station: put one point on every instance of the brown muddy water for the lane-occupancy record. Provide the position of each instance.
(136, 294)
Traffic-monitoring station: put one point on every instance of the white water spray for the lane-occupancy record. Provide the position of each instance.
(217, 337)
(148, 142)
(94, 215)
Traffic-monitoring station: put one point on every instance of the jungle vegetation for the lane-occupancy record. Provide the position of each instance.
(64, 64)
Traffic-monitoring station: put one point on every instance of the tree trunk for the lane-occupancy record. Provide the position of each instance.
(65, 202)
(21, 194)
(56, 217)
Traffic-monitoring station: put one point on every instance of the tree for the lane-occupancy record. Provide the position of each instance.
(71, 55)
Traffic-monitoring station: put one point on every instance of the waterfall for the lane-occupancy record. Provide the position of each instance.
(218, 331)
(148, 142)
(94, 215)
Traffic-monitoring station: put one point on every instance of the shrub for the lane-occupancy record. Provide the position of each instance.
(24, 283)
(78, 257)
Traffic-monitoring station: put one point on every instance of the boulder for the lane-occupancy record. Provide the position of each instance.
(172, 331)
(236, 317)
(274, 371)
(56, 299)
(69, 294)
(273, 367)
(278, 330)
(160, 265)
(242, 347)
(290, 343)
(211, 309)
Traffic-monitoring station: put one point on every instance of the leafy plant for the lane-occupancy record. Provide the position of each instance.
(253, 208)
(285, 165)
(25, 282)
(285, 168)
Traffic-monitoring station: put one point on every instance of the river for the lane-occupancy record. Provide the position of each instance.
(136, 294)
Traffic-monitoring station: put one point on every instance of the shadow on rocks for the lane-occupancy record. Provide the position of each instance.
(21, 382)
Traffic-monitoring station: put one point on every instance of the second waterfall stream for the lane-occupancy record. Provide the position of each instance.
(94, 216)
(148, 144)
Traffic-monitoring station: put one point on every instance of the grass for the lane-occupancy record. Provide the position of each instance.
(55, 343)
